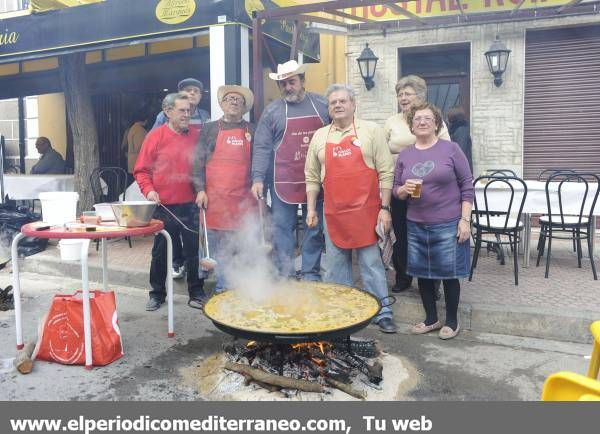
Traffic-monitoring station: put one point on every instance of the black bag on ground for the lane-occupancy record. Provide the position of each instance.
(11, 219)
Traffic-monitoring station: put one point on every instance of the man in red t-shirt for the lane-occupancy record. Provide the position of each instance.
(163, 172)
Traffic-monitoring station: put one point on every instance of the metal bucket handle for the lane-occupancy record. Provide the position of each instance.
(386, 304)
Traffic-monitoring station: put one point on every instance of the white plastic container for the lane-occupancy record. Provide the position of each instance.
(105, 211)
(70, 249)
(59, 207)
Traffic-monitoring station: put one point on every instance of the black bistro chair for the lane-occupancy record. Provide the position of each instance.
(544, 174)
(500, 172)
(502, 222)
(574, 224)
(108, 184)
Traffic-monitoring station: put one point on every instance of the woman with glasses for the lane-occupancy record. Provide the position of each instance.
(410, 90)
(432, 177)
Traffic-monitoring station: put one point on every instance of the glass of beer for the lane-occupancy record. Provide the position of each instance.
(416, 194)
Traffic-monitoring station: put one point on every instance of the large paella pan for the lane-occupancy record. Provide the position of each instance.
(299, 312)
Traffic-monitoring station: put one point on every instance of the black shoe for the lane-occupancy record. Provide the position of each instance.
(153, 304)
(387, 325)
(402, 284)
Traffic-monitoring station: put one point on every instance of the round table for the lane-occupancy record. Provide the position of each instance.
(102, 232)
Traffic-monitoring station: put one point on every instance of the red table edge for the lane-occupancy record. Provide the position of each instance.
(59, 232)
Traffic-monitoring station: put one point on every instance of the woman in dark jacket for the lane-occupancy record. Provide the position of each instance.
(459, 130)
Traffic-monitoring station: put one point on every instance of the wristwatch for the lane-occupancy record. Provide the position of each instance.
(387, 208)
(468, 220)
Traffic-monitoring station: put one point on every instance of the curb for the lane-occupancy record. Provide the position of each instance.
(560, 325)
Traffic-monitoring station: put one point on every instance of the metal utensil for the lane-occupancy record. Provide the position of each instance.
(265, 246)
(207, 262)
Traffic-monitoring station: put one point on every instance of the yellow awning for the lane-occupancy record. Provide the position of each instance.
(37, 6)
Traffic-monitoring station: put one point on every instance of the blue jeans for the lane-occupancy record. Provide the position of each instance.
(285, 217)
(219, 243)
(338, 269)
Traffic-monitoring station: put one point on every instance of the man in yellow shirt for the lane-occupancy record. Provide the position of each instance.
(352, 161)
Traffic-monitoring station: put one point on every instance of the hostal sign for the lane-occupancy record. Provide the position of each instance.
(175, 11)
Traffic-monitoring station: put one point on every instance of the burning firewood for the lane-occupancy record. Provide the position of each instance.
(248, 379)
(275, 380)
(346, 388)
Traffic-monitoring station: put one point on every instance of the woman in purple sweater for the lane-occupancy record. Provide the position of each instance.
(438, 218)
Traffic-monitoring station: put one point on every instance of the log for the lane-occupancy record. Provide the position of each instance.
(248, 379)
(346, 388)
(275, 380)
(23, 361)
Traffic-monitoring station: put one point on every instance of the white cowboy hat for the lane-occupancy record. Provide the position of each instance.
(233, 88)
(287, 70)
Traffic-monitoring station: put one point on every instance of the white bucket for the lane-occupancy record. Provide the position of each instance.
(59, 207)
(70, 249)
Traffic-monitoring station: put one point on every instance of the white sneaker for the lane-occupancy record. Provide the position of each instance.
(178, 272)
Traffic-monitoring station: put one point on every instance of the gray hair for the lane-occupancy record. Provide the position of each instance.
(336, 87)
(414, 81)
(169, 100)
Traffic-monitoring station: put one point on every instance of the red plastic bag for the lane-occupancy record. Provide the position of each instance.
(61, 337)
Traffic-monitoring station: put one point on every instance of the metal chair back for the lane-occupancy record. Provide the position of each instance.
(115, 184)
(514, 206)
(544, 174)
(500, 172)
(589, 197)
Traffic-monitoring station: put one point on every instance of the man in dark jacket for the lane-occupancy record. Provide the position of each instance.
(51, 162)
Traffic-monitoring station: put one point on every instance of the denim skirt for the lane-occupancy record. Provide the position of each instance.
(435, 253)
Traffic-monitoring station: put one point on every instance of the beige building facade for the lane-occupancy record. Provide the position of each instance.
(497, 114)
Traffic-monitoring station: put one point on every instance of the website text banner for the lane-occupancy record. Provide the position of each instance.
(438, 8)
(286, 417)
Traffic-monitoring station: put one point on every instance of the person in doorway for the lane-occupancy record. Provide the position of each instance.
(50, 162)
(353, 163)
(282, 137)
(222, 164)
(164, 173)
(193, 88)
(410, 90)
(460, 133)
(433, 178)
(133, 138)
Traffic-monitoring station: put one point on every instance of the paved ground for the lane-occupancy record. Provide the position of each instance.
(475, 366)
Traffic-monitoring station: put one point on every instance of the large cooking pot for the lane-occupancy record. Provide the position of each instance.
(301, 312)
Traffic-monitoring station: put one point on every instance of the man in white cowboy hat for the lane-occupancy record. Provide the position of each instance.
(193, 88)
(280, 146)
(221, 174)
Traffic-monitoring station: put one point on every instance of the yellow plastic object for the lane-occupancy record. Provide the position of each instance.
(568, 386)
(595, 360)
(588, 397)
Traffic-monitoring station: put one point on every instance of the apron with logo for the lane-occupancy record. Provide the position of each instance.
(290, 156)
(352, 201)
(228, 180)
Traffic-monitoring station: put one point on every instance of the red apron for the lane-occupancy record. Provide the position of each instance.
(290, 156)
(352, 201)
(228, 180)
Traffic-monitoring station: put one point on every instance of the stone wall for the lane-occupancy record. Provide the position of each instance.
(496, 112)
